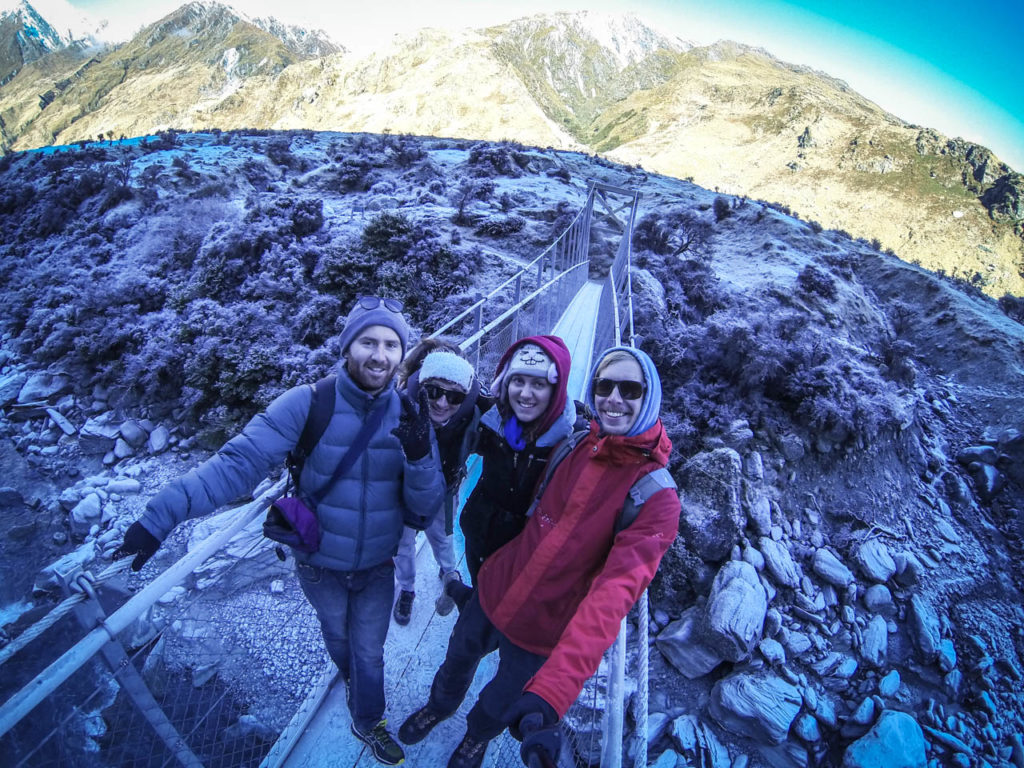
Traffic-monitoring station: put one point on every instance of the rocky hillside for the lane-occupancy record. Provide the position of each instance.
(726, 116)
(847, 429)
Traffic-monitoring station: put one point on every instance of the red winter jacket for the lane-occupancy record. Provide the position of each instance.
(562, 587)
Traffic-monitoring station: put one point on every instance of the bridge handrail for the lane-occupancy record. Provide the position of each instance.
(47, 681)
(526, 269)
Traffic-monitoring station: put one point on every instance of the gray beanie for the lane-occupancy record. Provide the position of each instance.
(362, 316)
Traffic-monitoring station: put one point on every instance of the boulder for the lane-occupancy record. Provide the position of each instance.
(98, 435)
(133, 433)
(86, 513)
(895, 741)
(736, 610)
(909, 568)
(44, 386)
(760, 707)
(780, 563)
(697, 743)
(761, 515)
(924, 625)
(712, 515)
(875, 645)
(829, 567)
(988, 481)
(10, 386)
(10, 497)
(159, 439)
(684, 644)
(875, 561)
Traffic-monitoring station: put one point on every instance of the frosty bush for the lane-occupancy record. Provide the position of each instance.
(500, 226)
(812, 280)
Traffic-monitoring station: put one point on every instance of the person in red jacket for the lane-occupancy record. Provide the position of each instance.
(552, 599)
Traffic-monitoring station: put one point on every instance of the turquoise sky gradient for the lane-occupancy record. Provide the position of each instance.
(952, 66)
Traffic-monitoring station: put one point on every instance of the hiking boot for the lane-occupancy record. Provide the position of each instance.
(469, 754)
(403, 607)
(445, 603)
(384, 748)
(419, 724)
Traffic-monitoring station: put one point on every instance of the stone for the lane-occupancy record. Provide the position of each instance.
(753, 466)
(86, 513)
(924, 625)
(760, 707)
(909, 569)
(98, 435)
(159, 439)
(895, 741)
(44, 386)
(697, 743)
(828, 566)
(122, 450)
(772, 651)
(947, 655)
(792, 447)
(683, 643)
(806, 728)
(874, 648)
(865, 712)
(10, 385)
(890, 684)
(736, 610)
(124, 486)
(712, 515)
(878, 598)
(133, 433)
(985, 454)
(875, 561)
(61, 421)
(779, 562)
(988, 481)
(754, 557)
(761, 515)
(796, 643)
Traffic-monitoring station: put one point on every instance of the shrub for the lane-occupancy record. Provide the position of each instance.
(722, 208)
(1012, 307)
(814, 281)
(500, 226)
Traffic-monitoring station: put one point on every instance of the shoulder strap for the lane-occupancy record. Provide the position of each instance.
(362, 439)
(645, 487)
(562, 448)
(321, 408)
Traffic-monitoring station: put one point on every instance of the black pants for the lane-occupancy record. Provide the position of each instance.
(473, 638)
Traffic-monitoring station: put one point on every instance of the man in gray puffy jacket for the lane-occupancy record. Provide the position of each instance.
(349, 580)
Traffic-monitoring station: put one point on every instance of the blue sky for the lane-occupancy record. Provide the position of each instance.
(951, 66)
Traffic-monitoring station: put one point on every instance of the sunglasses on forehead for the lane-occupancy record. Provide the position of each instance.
(372, 302)
(453, 396)
(628, 390)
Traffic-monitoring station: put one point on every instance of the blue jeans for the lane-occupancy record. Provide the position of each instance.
(354, 608)
(441, 543)
(473, 638)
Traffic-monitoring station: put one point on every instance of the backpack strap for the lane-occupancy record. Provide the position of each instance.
(562, 448)
(321, 408)
(645, 487)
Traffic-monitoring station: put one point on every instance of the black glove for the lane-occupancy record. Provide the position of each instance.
(139, 542)
(545, 743)
(530, 708)
(413, 430)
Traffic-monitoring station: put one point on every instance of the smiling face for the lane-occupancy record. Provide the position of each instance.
(529, 396)
(440, 409)
(616, 413)
(373, 357)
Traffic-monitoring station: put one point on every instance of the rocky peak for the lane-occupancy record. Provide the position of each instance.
(306, 43)
(24, 37)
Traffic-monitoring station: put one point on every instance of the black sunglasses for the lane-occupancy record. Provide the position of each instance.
(628, 390)
(453, 396)
(372, 302)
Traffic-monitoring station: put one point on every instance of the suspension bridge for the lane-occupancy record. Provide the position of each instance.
(109, 700)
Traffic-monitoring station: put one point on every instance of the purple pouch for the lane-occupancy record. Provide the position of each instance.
(289, 521)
